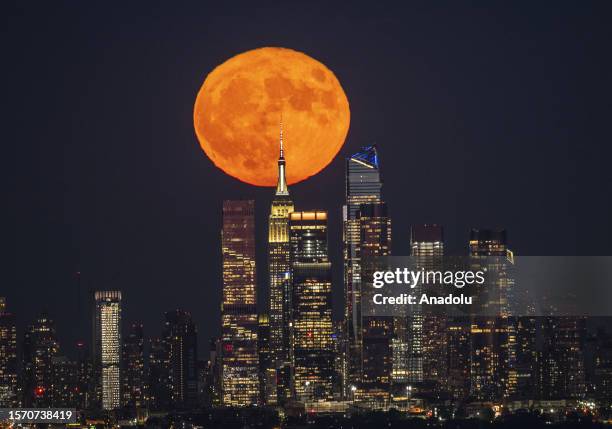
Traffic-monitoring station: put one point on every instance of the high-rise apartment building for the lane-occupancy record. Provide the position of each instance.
(180, 336)
(107, 347)
(312, 328)
(426, 330)
(159, 390)
(64, 382)
(85, 381)
(8, 357)
(562, 369)
(492, 372)
(133, 390)
(40, 346)
(363, 185)
(239, 323)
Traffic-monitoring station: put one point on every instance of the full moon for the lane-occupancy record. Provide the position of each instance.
(238, 111)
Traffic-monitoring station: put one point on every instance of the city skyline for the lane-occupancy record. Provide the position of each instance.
(204, 199)
(124, 195)
(321, 363)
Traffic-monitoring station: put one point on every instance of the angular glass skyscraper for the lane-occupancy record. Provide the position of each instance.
(363, 186)
(108, 346)
(240, 372)
(279, 266)
(312, 329)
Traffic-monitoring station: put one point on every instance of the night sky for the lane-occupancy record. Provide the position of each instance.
(485, 116)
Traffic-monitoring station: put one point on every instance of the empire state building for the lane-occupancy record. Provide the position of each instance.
(279, 265)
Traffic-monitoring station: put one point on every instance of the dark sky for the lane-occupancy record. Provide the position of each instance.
(485, 114)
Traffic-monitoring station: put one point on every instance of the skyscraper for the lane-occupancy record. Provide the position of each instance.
(159, 392)
(64, 382)
(363, 185)
(267, 370)
(278, 264)
(180, 337)
(133, 390)
(107, 346)
(426, 352)
(8, 357)
(240, 372)
(492, 350)
(312, 341)
(85, 381)
(562, 370)
(378, 332)
(40, 346)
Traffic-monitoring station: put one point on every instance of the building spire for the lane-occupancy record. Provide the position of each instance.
(282, 155)
(281, 186)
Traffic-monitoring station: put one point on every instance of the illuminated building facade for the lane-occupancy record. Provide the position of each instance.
(457, 382)
(64, 392)
(133, 367)
(525, 365)
(180, 337)
(378, 332)
(8, 358)
(363, 185)
(240, 369)
(278, 265)
(107, 347)
(562, 370)
(159, 391)
(85, 380)
(601, 379)
(40, 346)
(492, 373)
(426, 356)
(267, 370)
(312, 340)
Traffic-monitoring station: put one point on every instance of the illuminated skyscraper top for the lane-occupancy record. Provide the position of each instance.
(363, 184)
(281, 187)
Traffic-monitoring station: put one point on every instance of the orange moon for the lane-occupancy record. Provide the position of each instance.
(238, 110)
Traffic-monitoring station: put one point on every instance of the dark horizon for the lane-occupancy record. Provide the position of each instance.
(492, 116)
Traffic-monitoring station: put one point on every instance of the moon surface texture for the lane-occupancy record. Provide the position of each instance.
(238, 112)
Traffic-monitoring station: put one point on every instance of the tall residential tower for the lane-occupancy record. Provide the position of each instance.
(107, 346)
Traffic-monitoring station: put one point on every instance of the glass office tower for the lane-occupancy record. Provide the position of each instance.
(240, 372)
(312, 328)
(363, 185)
